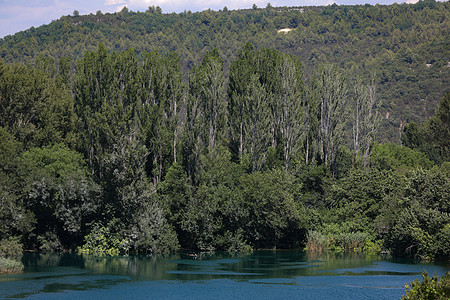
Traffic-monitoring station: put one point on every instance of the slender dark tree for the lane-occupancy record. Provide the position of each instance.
(206, 109)
(365, 119)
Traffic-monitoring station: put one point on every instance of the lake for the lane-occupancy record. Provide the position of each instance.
(260, 275)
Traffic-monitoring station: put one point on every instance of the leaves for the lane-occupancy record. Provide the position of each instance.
(430, 287)
(121, 155)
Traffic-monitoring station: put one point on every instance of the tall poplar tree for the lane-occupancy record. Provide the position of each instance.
(241, 71)
(206, 109)
(365, 119)
(104, 91)
(291, 111)
(268, 64)
(160, 94)
(256, 126)
(280, 84)
(330, 89)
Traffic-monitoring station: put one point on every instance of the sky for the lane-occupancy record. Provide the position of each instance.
(19, 15)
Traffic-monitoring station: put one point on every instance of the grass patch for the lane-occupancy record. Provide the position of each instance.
(353, 241)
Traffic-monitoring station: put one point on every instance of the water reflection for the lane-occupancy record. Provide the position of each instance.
(52, 274)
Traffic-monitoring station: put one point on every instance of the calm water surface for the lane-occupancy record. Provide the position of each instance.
(260, 275)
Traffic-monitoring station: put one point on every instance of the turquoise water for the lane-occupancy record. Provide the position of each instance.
(260, 275)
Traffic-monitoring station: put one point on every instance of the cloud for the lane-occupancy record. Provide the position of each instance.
(114, 2)
(20, 16)
(411, 1)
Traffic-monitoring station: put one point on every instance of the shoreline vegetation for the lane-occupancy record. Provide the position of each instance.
(234, 185)
(125, 152)
(429, 288)
(348, 242)
(249, 172)
(10, 266)
(10, 255)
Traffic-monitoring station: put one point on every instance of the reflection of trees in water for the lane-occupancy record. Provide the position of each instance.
(208, 265)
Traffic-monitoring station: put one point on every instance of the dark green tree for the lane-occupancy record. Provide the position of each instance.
(206, 109)
(15, 219)
(330, 89)
(365, 120)
(241, 71)
(105, 92)
(274, 219)
(34, 108)
(291, 111)
(431, 137)
(56, 186)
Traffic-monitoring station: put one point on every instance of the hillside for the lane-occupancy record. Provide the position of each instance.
(120, 151)
(405, 46)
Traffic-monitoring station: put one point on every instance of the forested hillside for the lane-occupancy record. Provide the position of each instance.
(122, 152)
(404, 47)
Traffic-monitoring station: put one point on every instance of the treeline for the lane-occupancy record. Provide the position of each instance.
(123, 155)
(406, 45)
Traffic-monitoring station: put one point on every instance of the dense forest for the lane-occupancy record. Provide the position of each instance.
(129, 151)
(405, 47)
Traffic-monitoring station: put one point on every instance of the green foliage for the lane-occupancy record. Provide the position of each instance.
(10, 247)
(234, 242)
(36, 110)
(58, 162)
(365, 121)
(315, 181)
(352, 241)
(373, 246)
(206, 110)
(175, 192)
(417, 222)
(9, 150)
(49, 242)
(328, 95)
(358, 197)
(316, 241)
(100, 242)
(392, 156)
(431, 137)
(213, 217)
(133, 202)
(58, 189)
(15, 219)
(405, 44)
(265, 91)
(121, 152)
(429, 288)
(8, 265)
(274, 217)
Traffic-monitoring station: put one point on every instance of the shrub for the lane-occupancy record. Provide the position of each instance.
(10, 247)
(8, 265)
(372, 245)
(49, 242)
(429, 288)
(101, 241)
(234, 242)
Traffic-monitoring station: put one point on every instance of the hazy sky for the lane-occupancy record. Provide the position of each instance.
(18, 15)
